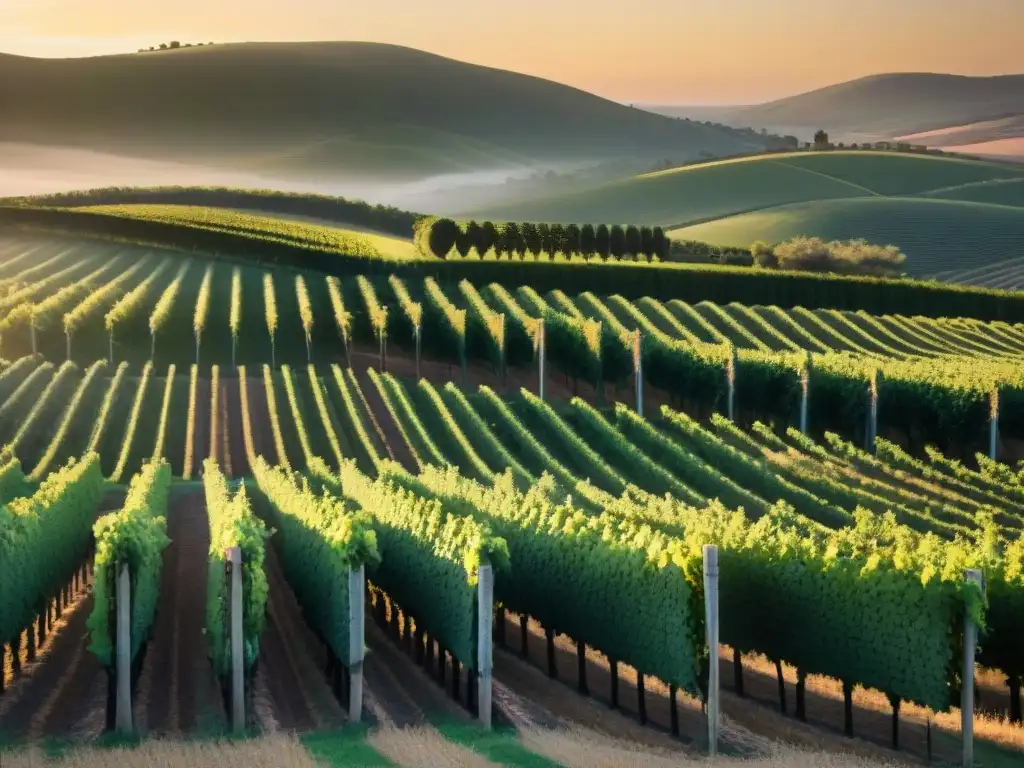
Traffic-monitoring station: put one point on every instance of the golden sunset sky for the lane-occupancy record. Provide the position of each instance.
(649, 51)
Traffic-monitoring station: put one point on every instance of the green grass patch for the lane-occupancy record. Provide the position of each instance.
(344, 749)
(935, 234)
(692, 194)
(500, 745)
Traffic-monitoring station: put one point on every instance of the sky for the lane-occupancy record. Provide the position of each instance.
(692, 52)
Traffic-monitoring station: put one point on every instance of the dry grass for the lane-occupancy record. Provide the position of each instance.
(423, 747)
(748, 726)
(587, 749)
(998, 730)
(274, 751)
(992, 728)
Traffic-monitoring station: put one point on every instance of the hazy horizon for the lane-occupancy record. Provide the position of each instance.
(714, 52)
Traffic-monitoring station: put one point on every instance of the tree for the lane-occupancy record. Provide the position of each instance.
(647, 241)
(421, 234)
(661, 243)
(512, 239)
(820, 139)
(463, 244)
(175, 44)
(547, 242)
(603, 238)
(442, 237)
(531, 237)
(570, 240)
(163, 46)
(474, 234)
(634, 243)
(763, 255)
(588, 240)
(557, 239)
(489, 237)
(617, 241)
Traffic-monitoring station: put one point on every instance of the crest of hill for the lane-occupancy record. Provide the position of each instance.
(362, 108)
(713, 190)
(892, 105)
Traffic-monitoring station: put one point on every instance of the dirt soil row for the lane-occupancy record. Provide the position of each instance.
(61, 694)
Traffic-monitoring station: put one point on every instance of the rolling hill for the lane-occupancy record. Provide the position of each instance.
(945, 213)
(698, 193)
(319, 109)
(936, 235)
(973, 115)
(1002, 138)
(1011, 127)
(892, 105)
(997, 192)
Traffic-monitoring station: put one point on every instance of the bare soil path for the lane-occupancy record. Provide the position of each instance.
(201, 430)
(385, 422)
(259, 419)
(53, 695)
(231, 424)
(291, 691)
(177, 690)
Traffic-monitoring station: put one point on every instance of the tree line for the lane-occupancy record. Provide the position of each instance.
(444, 237)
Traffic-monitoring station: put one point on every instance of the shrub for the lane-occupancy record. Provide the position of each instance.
(737, 258)
(763, 255)
(855, 257)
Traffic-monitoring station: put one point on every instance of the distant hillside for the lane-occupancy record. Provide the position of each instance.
(936, 235)
(1001, 138)
(961, 135)
(319, 109)
(892, 105)
(713, 190)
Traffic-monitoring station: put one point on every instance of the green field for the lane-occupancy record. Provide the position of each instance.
(697, 193)
(886, 197)
(936, 235)
(320, 236)
(593, 516)
(999, 192)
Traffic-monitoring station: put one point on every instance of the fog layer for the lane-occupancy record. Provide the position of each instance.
(27, 169)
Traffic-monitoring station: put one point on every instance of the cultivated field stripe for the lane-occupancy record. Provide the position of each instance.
(827, 176)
